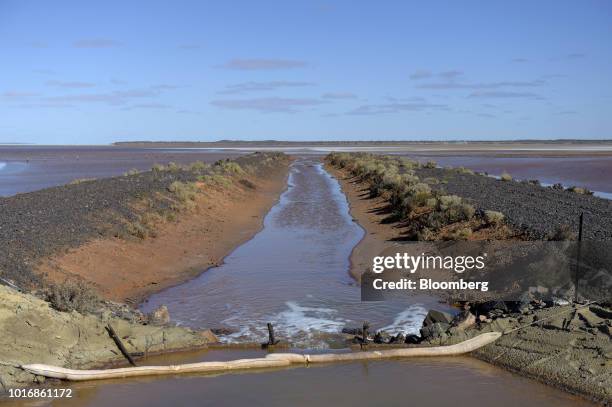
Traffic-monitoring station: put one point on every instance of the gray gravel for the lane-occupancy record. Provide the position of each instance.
(536, 210)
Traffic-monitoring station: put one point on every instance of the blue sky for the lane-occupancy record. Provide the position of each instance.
(85, 73)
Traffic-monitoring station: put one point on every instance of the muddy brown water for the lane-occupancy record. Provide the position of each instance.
(457, 381)
(294, 273)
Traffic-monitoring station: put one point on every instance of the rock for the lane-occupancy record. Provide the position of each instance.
(399, 338)
(434, 331)
(352, 331)
(591, 320)
(601, 312)
(463, 320)
(413, 339)
(434, 316)
(209, 336)
(489, 306)
(382, 337)
(160, 316)
(223, 331)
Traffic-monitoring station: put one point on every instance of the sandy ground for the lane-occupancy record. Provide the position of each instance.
(33, 332)
(130, 270)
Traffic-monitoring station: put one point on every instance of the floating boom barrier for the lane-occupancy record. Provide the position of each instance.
(273, 360)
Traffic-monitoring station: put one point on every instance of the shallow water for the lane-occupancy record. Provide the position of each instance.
(293, 273)
(457, 381)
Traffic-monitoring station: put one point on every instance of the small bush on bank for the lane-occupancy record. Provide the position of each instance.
(80, 181)
(158, 168)
(198, 166)
(184, 191)
(494, 218)
(463, 170)
(72, 296)
(133, 171)
(228, 167)
(430, 164)
(461, 234)
(579, 190)
(173, 167)
(563, 233)
(215, 179)
(505, 177)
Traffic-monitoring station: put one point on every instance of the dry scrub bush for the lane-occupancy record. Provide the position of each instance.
(580, 190)
(198, 166)
(461, 234)
(215, 179)
(563, 233)
(494, 218)
(72, 296)
(463, 170)
(184, 191)
(430, 164)
(133, 171)
(80, 181)
(506, 177)
(229, 167)
(158, 168)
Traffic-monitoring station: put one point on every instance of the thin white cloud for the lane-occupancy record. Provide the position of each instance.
(96, 43)
(395, 108)
(70, 84)
(420, 74)
(500, 94)
(339, 95)
(267, 105)
(263, 64)
(247, 87)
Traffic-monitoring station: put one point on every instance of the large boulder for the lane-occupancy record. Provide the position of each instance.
(434, 316)
(434, 331)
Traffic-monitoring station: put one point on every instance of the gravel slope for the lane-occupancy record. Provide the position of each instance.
(537, 210)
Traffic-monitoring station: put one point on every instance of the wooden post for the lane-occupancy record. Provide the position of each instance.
(364, 333)
(578, 257)
(271, 340)
(119, 344)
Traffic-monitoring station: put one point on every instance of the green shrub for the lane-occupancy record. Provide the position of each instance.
(230, 167)
(430, 164)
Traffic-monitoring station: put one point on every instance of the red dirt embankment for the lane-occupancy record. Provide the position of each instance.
(129, 270)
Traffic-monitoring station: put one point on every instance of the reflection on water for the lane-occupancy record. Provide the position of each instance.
(457, 381)
(293, 274)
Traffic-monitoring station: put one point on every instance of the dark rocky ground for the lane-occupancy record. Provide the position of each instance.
(37, 224)
(535, 210)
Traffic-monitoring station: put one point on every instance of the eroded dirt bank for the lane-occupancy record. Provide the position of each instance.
(33, 332)
(129, 270)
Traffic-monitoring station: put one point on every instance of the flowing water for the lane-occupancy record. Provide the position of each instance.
(294, 273)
